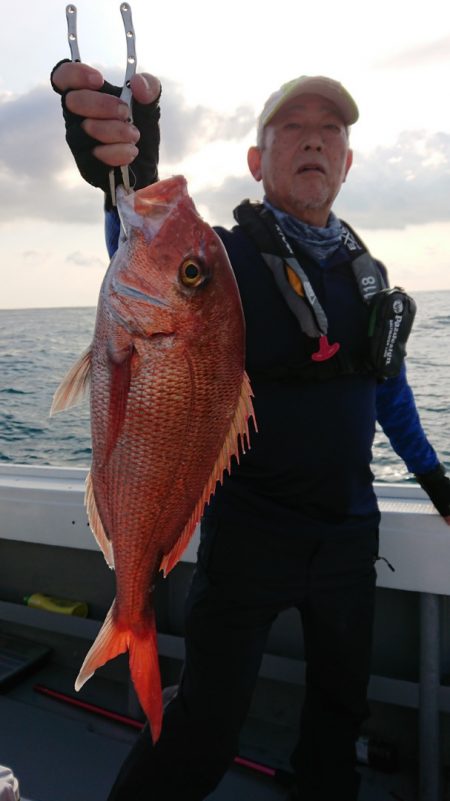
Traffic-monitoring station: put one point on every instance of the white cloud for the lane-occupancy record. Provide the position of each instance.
(35, 162)
(186, 129)
(391, 186)
(432, 52)
(407, 183)
(220, 201)
(85, 260)
(33, 154)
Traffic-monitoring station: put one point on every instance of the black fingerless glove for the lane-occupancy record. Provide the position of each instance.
(437, 486)
(143, 170)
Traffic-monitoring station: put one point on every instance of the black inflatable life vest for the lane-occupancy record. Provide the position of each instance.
(391, 310)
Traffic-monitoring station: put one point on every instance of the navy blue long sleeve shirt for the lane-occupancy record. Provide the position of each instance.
(310, 462)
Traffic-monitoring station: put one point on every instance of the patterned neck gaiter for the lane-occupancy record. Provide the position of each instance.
(320, 243)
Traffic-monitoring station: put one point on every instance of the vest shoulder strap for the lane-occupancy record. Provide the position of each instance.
(367, 274)
(262, 227)
(392, 311)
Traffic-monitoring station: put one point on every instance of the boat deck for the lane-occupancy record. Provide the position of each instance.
(63, 753)
(58, 751)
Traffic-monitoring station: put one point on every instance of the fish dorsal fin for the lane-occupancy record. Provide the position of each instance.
(74, 385)
(238, 434)
(96, 523)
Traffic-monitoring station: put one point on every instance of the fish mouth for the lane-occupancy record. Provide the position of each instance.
(148, 208)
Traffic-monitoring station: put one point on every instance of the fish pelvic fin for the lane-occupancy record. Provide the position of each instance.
(96, 524)
(113, 640)
(74, 385)
(237, 439)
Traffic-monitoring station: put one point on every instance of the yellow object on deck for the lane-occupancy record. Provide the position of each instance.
(63, 606)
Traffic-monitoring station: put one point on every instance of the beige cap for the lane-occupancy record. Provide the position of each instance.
(306, 84)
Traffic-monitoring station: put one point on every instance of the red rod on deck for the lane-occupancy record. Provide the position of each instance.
(136, 724)
(97, 710)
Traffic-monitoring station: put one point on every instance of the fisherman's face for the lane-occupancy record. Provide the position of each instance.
(304, 158)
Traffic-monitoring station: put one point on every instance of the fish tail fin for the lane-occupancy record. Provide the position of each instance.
(74, 385)
(144, 668)
(110, 642)
(144, 665)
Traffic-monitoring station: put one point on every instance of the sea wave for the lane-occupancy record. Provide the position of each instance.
(32, 366)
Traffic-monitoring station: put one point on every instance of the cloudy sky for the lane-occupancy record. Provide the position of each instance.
(217, 65)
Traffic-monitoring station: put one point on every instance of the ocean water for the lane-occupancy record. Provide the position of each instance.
(38, 346)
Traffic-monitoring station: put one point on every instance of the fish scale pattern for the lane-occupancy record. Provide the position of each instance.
(170, 403)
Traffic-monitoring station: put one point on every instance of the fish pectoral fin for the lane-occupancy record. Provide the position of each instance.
(119, 384)
(237, 437)
(114, 639)
(74, 385)
(120, 346)
(96, 524)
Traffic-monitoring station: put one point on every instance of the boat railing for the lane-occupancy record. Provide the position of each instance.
(44, 505)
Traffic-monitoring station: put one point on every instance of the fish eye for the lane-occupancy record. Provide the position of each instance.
(191, 273)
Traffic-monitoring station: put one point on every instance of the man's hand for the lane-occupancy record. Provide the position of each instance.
(437, 486)
(98, 128)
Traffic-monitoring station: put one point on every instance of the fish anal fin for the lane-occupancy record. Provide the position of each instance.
(173, 557)
(113, 640)
(96, 524)
(74, 385)
(237, 437)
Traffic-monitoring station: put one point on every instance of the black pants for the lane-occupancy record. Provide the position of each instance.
(243, 580)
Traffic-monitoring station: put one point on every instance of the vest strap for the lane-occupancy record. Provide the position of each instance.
(262, 226)
(392, 311)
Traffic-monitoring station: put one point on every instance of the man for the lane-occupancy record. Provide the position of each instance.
(297, 523)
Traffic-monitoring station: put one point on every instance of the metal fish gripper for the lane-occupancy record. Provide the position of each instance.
(126, 94)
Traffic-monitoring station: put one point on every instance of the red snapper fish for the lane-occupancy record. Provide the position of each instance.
(170, 404)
